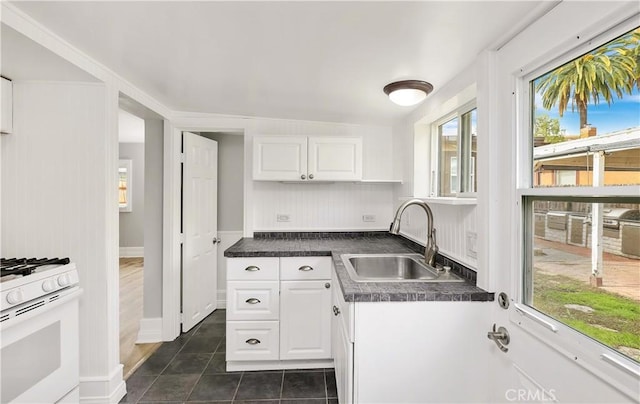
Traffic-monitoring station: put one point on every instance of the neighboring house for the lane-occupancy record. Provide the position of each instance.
(571, 163)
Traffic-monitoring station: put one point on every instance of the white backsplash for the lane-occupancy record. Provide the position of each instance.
(319, 207)
(452, 223)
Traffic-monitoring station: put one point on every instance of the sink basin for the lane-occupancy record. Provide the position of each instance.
(394, 268)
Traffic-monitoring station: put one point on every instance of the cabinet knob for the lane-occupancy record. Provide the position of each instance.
(327, 285)
(252, 268)
(252, 300)
(303, 177)
(252, 341)
(305, 268)
(216, 240)
(310, 176)
(336, 311)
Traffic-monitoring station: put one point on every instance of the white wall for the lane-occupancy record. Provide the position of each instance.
(132, 223)
(153, 149)
(316, 207)
(230, 180)
(58, 181)
(412, 153)
(264, 200)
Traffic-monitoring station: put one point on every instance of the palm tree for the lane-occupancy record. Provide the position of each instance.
(612, 68)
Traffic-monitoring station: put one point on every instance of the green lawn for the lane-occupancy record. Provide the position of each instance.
(615, 320)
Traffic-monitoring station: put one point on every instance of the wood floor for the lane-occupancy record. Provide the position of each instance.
(132, 355)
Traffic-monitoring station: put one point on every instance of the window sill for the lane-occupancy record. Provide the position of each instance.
(451, 201)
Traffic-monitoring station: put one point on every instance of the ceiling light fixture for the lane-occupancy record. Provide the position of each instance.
(408, 92)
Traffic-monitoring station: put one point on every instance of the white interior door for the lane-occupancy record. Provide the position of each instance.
(200, 228)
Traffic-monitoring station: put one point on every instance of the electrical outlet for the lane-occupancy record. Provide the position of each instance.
(368, 218)
(283, 217)
(472, 240)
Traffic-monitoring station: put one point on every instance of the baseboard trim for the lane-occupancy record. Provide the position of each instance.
(150, 330)
(107, 389)
(222, 299)
(129, 252)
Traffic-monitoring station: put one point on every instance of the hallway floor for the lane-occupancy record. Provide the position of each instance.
(131, 295)
(191, 369)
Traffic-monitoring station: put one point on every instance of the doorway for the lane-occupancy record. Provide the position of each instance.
(140, 230)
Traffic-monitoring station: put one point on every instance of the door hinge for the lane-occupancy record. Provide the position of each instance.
(181, 238)
(182, 158)
(181, 317)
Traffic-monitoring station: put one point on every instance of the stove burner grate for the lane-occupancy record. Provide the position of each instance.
(26, 266)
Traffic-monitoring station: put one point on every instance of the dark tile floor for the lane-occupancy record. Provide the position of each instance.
(191, 369)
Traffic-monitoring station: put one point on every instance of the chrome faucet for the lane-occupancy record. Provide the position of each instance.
(431, 249)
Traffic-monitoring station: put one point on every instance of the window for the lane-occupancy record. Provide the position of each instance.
(456, 142)
(581, 209)
(124, 186)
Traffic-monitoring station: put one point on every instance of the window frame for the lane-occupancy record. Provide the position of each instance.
(571, 343)
(462, 169)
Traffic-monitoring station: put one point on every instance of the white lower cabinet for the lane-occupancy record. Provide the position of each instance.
(305, 319)
(409, 352)
(278, 313)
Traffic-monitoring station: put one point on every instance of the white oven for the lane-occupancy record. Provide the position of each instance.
(39, 339)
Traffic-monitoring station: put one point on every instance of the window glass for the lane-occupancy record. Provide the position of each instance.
(457, 154)
(582, 254)
(586, 118)
(448, 145)
(596, 295)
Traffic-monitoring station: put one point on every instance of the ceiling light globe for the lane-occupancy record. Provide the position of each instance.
(408, 92)
(407, 97)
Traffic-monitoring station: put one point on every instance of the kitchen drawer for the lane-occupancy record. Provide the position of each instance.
(252, 340)
(253, 300)
(253, 269)
(305, 268)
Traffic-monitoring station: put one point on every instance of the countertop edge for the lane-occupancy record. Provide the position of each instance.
(356, 292)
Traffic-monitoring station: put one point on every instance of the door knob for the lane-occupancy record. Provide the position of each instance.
(500, 337)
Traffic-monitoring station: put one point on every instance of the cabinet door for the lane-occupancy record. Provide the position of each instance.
(305, 319)
(335, 159)
(342, 352)
(279, 158)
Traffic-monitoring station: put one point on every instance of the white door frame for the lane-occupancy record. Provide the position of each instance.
(171, 218)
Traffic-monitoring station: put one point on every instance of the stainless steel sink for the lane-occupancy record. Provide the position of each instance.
(394, 268)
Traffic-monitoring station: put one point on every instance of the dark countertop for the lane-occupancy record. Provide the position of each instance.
(335, 244)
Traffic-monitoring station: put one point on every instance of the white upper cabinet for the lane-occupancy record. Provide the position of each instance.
(334, 158)
(7, 106)
(280, 158)
(298, 158)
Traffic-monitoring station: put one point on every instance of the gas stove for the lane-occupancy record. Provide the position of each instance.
(26, 279)
(39, 324)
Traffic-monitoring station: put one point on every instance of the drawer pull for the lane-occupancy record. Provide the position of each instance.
(252, 268)
(336, 311)
(252, 341)
(327, 285)
(305, 268)
(252, 300)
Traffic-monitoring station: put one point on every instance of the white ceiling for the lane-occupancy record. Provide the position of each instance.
(23, 59)
(323, 61)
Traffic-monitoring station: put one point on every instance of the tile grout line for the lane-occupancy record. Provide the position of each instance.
(235, 393)
(326, 387)
(282, 385)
